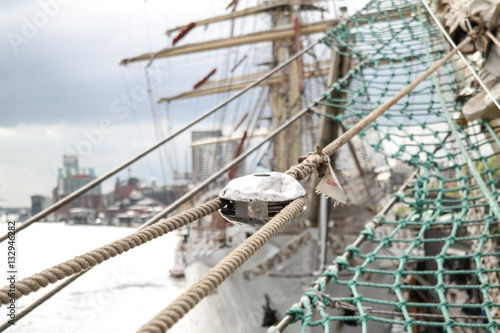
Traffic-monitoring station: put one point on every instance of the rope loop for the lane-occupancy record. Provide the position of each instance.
(368, 233)
(332, 274)
(343, 264)
(297, 312)
(314, 161)
(353, 249)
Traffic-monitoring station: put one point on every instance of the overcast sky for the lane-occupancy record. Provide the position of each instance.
(61, 85)
(62, 90)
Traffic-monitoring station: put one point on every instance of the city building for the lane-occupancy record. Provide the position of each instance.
(210, 153)
(70, 179)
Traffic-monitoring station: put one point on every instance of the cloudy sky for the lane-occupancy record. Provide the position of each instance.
(62, 90)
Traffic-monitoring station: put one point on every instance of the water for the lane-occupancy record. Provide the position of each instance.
(119, 295)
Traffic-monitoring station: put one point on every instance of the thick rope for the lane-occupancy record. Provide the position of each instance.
(219, 273)
(41, 300)
(84, 262)
(307, 166)
(312, 161)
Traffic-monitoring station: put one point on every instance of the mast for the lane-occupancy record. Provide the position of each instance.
(285, 99)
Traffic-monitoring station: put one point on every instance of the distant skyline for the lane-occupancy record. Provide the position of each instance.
(63, 92)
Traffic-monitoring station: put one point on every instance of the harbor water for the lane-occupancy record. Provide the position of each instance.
(120, 295)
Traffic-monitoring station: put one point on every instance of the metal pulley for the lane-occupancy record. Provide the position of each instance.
(255, 199)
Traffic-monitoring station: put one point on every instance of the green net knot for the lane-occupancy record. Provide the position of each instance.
(402, 304)
(297, 312)
(409, 324)
(448, 325)
(332, 274)
(386, 241)
(487, 304)
(353, 249)
(491, 326)
(363, 318)
(371, 257)
(399, 196)
(368, 233)
(343, 264)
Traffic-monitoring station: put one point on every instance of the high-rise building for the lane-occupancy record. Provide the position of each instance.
(70, 179)
(210, 157)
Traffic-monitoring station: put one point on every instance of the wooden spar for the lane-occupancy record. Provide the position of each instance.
(224, 139)
(233, 86)
(298, 48)
(311, 68)
(200, 83)
(183, 32)
(246, 12)
(286, 32)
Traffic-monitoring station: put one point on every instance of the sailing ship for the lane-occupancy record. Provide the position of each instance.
(405, 268)
(293, 255)
(280, 272)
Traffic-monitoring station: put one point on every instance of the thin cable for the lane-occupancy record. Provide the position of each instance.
(99, 180)
(177, 203)
(41, 300)
(287, 320)
(92, 258)
(158, 130)
(460, 54)
(221, 172)
(220, 272)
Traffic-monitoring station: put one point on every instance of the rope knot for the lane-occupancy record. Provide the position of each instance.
(314, 161)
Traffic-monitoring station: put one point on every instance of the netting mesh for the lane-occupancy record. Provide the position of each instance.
(432, 262)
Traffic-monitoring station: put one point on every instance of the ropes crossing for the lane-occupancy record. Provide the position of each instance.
(450, 202)
(99, 180)
(92, 258)
(395, 280)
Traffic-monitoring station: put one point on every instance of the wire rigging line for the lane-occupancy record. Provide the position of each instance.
(92, 258)
(308, 165)
(83, 263)
(225, 169)
(99, 180)
(460, 54)
(158, 130)
(134, 114)
(287, 320)
(41, 300)
(220, 272)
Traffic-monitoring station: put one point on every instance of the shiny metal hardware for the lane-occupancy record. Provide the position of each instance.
(255, 199)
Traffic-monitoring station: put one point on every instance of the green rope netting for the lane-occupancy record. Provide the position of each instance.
(432, 263)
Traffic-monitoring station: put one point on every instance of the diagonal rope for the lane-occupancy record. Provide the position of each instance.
(312, 161)
(99, 180)
(216, 275)
(308, 165)
(171, 207)
(92, 258)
